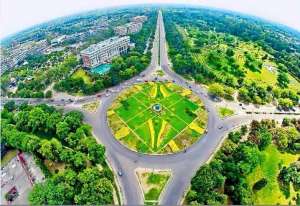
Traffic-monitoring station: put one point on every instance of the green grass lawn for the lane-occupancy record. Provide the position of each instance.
(225, 112)
(80, 73)
(134, 107)
(269, 169)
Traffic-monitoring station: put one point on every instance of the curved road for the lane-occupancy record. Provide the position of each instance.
(125, 160)
(183, 164)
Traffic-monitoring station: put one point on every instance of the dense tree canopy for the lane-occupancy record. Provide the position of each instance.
(61, 138)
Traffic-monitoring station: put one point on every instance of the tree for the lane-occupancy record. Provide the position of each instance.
(205, 182)
(265, 138)
(48, 94)
(283, 80)
(51, 193)
(285, 103)
(46, 150)
(62, 130)
(281, 138)
(260, 184)
(22, 119)
(248, 157)
(10, 106)
(51, 122)
(37, 119)
(216, 90)
(74, 119)
(79, 160)
(95, 190)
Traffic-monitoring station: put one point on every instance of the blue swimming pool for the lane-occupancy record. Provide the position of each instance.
(101, 69)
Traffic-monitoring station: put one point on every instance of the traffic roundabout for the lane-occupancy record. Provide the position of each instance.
(157, 118)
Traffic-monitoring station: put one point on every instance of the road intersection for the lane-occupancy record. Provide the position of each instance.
(183, 165)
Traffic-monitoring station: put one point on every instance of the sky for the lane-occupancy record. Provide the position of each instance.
(16, 15)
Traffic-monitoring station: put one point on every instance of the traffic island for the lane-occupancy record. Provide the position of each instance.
(157, 118)
(152, 183)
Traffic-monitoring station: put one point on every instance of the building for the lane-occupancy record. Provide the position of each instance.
(58, 40)
(133, 27)
(139, 19)
(19, 52)
(104, 51)
(129, 28)
(120, 30)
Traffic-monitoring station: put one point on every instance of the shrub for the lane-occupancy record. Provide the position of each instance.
(260, 184)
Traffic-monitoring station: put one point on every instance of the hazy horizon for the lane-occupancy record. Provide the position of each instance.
(13, 24)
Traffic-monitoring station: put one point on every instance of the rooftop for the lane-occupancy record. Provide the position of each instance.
(102, 44)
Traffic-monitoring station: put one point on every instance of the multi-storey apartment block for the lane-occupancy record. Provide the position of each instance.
(105, 51)
(139, 19)
(129, 28)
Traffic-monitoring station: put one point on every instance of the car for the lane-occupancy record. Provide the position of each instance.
(120, 173)
(240, 104)
(173, 81)
(190, 87)
(98, 95)
(243, 108)
(220, 127)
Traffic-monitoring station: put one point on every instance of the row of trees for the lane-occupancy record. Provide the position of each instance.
(140, 39)
(224, 178)
(62, 138)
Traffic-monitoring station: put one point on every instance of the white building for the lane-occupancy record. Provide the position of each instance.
(58, 40)
(139, 19)
(105, 51)
(129, 28)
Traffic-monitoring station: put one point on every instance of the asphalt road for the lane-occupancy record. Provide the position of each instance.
(183, 164)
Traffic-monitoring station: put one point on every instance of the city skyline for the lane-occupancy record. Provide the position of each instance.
(15, 19)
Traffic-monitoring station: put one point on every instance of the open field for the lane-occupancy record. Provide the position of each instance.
(157, 118)
(213, 54)
(269, 169)
(152, 183)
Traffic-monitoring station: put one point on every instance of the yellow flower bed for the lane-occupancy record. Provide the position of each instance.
(153, 91)
(186, 92)
(169, 84)
(123, 132)
(152, 132)
(110, 112)
(173, 146)
(163, 90)
(163, 126)
(138, 87)
(196, 128)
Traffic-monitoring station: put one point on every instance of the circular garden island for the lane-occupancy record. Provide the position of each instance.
(157, 118)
